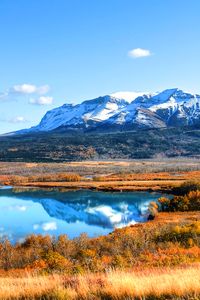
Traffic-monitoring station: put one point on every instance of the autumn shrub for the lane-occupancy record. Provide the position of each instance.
(69, 177)
(99, 178)
(186, 187)
(188, 202)
(141, 245)
(18, 180)
(65, 246)
(56, 262)
(187, 235)
(63, 177)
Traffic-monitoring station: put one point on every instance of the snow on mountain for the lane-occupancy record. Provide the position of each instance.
(175, 105)
(84, 114)
(171, 107)
(129, 96)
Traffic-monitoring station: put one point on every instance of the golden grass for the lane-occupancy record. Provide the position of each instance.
(28, 287)
(113, 285)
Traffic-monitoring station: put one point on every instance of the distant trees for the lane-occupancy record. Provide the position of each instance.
(47, 177)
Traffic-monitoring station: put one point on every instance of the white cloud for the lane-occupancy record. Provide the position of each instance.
(3, 95)
(47, 226)
(28, 89)
(24, 90)
(44, 89)
(14, 120)
(128, 96)
(42, 100)
(36, 226)
(139, 52)
(18, 119)
(21, 208)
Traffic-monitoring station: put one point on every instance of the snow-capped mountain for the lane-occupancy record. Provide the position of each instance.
(87, 114)
(172, 107)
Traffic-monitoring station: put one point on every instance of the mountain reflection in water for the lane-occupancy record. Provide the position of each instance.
(71, 212)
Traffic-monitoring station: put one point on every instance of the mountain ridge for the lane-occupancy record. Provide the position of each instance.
(169, 108)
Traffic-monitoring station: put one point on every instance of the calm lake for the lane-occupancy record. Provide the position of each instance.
(26, 211)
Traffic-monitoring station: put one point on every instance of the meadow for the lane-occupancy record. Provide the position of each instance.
(179, 284)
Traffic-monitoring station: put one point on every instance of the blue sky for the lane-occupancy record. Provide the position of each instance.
(58, 51)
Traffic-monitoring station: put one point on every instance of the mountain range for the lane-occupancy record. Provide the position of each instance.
(169, 108)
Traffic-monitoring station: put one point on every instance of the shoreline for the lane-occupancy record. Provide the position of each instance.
(109, 186)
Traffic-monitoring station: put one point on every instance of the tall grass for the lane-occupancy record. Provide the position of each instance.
(155, 284)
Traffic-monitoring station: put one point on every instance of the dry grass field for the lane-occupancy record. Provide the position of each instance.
(179, 283)
(95, 168)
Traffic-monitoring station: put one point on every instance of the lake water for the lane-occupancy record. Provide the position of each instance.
(54, 212)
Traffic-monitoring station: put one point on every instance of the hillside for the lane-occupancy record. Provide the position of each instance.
(71, 146)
